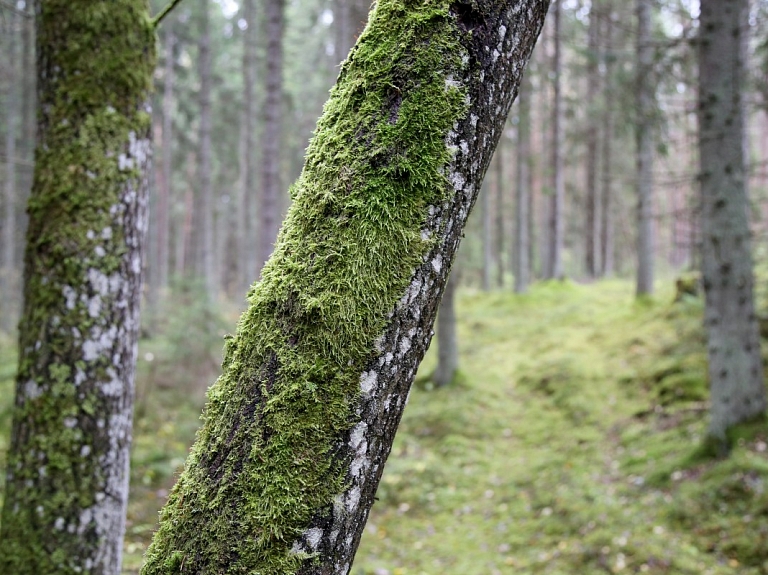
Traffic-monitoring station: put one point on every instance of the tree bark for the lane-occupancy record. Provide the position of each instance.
(644, 139)
(606, 224)
(67, 479)
(297, 429)
(735, 366)
(447, 346)
(592, 235)
(522, 269)
(556, 221)
(269, 206)
(246, 215)
(205, 212)
(8, 314)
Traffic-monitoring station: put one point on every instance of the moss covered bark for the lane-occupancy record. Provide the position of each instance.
(297, 429)
(67, 473)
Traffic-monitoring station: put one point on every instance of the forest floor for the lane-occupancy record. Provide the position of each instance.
(569, 444)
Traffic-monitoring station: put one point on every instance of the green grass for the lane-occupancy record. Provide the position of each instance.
(571, 444)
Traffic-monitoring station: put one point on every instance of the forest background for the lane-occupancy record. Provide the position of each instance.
(239, 87)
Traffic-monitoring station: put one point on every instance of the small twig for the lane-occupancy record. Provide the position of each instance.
(164, 12)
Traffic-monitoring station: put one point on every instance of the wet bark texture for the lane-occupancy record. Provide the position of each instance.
(67, 478)
(735, 367)
(297, 429)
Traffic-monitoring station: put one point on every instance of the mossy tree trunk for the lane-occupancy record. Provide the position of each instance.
(297, 429)
(735, 366)
(67, 479)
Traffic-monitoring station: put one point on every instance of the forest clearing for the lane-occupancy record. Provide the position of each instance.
(568, 444)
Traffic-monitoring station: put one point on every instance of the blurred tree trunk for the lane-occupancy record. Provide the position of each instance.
(556, 218)
(205, 244)
(735, 366)
(8, 273)
(447, 346)
(592, 234)
(298, 427)
(522, 263)
(609, 85)
(498, 251)
(246, 214)
(269, 206)
(644, 90)
(166, 168)
(487, 235)
(67, 480)
(349, 18)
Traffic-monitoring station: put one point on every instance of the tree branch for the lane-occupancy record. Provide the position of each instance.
(164, 12)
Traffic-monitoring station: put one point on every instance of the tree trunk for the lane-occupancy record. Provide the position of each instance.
(487, 234)
(269, 206)
(205, 210)
(735, 367)
(297, 429)
(8, 315)
(556, 221)
(644, 137)
(246, 216)
(606, 225)
(447, 346)
(67, 480)
(592, 235)
(166, 168)
(498, 251)
(521, 260)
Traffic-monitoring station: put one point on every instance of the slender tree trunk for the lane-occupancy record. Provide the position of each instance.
(205, 212)
(269, 206)
(166, 168)
(499, 224)
(8, 315)
(592, 230)
(644, 90)
(298, 428)
(735, 366)
(606, 224)
(487, 235)
(522, 262)
(349, 18)
(557, 221)
(67, 480)
(447, 346)
(246, 216)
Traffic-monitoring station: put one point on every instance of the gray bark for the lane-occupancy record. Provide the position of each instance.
(67, 478)
(269, 205)
(606, 214)
(592, 235)
(447, 345)
(644, 90)
(556, 216)
(205, 212)
(8, 314)
(735, 367)
(298, 427)
(521, 260)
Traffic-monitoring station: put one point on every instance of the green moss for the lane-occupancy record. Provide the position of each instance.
(263, 462)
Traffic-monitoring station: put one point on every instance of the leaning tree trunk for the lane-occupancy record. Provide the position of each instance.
(644, 139)
(735, 367)
(284, 470)
(67, 480)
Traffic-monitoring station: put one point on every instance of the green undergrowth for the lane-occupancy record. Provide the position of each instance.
(571, 444)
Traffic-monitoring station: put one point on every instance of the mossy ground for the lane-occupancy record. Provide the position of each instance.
(570, 444)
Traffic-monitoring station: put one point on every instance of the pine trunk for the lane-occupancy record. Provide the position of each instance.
(644, 138)
(735, 366)
(606, 225)
(205, 212)
(521, 260)
(246, 214)
(67, 480)
(592, 247)
(269, 206)
(556, 221)
(298, 427)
